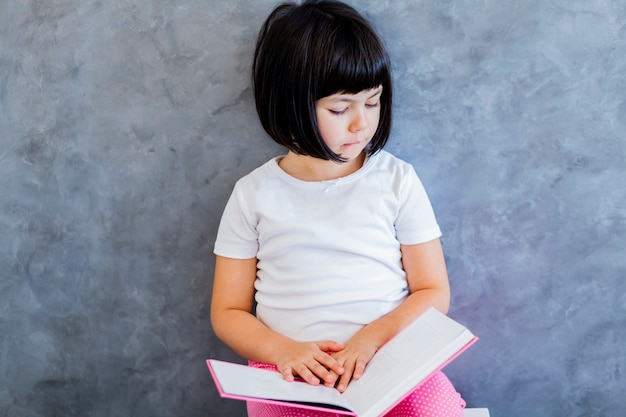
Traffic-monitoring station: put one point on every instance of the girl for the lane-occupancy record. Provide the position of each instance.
(336, 241)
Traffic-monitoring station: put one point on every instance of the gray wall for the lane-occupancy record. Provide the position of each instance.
(124, 125)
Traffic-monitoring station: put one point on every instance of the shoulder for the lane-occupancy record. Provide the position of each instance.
(259, 176)
(396, 168)
(384, 159)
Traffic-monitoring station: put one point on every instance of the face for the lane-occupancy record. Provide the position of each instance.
(348, 122)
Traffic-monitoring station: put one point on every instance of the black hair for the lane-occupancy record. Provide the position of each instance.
(310, 51)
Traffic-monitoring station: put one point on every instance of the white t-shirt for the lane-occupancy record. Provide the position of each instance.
(328, 252)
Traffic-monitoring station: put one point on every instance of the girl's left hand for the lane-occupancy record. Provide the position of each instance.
(357, 353)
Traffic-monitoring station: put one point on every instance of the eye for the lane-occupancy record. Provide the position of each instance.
(338, 112)
(372, 105)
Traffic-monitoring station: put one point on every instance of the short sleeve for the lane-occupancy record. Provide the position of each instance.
(237, 236)
(416, 222)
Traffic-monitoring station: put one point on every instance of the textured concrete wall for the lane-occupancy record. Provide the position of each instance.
(124, 125)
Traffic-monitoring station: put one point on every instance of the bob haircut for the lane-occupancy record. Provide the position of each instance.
(307, 52)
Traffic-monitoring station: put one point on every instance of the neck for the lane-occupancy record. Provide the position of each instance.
(307, 168)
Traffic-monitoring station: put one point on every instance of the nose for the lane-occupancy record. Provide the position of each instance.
(359, 121)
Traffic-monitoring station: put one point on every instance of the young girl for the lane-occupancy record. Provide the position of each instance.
(336, 241)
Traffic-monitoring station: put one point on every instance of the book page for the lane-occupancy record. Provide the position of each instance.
(241, 382)
(400, 365)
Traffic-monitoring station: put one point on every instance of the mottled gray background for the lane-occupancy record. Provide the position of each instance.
(124, 124)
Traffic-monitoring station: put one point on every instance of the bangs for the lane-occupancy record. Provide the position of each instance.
(357, 61)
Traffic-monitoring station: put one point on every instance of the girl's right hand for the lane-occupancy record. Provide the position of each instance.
(311, 362)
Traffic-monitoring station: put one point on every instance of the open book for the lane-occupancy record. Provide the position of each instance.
(428, 344)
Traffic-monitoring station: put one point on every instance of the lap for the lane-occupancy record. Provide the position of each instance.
(435, 397)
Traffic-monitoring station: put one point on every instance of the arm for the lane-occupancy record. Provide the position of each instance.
(234, 323)
(427, 279)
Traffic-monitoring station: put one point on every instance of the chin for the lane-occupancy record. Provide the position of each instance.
(351, 156)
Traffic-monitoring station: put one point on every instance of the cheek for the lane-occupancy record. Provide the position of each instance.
(375, 121)
(327, 127)
(322, 123)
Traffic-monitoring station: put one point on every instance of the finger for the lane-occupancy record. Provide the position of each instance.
(332, 380)
(328, 377)
(330, 346)
(288, 374)
(359, 368)
(345, 378)
(331, 364)
(306, 374)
